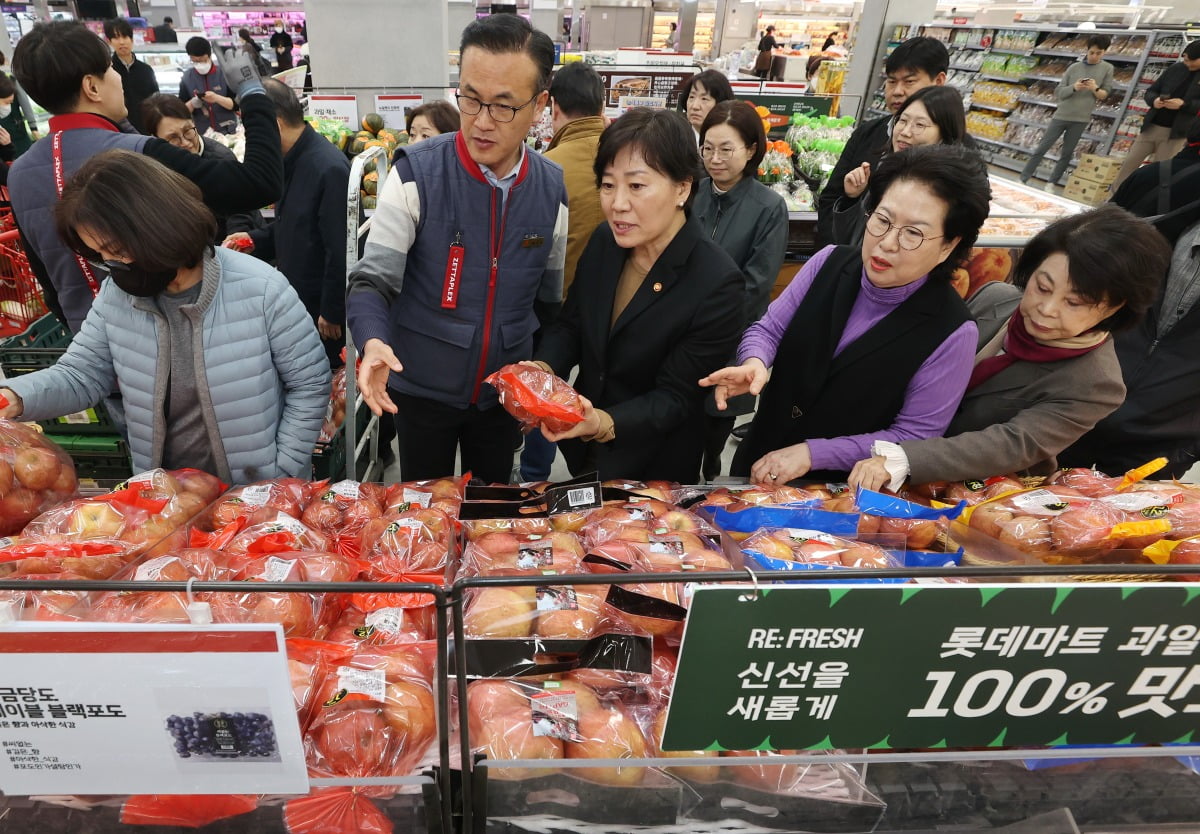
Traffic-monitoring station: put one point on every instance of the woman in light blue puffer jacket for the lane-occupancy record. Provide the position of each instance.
(218, 363)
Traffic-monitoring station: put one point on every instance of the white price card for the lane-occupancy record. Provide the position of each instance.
(393, 109)
(90, 708)
(342, 109)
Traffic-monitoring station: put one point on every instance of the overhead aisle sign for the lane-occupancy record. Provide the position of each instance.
(90, 708)
(917, 666)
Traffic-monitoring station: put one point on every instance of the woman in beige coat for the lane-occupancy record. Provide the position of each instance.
(1050, 372)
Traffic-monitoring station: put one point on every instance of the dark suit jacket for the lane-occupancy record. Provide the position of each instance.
(1164, 87)
(682, 324)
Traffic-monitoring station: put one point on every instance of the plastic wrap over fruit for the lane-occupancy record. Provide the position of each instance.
(537, 398)
(35, 475)
(342, 511)
(285, 495)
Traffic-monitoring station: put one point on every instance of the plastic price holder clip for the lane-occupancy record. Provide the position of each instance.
(757, 591)
(200, 613)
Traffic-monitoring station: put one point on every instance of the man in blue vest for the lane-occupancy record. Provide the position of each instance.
(66, 69)
(464, 258)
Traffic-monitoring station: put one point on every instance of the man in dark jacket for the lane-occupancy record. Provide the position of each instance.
(917, 63)
(137, 77)
(1165, 186)
(307, 239)
(165, 32)
(66, 69)
(1174, 99)
(203, 90)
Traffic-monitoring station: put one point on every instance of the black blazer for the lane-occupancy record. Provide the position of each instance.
(682, 324)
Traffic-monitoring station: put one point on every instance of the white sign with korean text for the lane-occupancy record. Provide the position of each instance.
(88, 708)
(339, 108)
(625, 103)
(394, 107)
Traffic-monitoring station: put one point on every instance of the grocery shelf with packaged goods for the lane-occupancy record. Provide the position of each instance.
(1007, 75)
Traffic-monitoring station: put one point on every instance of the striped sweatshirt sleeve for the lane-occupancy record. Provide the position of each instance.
(377, 277)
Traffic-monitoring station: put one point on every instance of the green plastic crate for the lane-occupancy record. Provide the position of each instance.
(97, 457)
(329, 459)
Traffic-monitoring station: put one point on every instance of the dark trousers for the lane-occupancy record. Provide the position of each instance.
(537, 458)
(1070, 132)
(716, 432)
(431, 433)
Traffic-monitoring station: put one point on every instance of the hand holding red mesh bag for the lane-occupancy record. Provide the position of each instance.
(537, 397)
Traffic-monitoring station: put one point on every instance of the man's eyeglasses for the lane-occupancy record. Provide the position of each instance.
(470, 106)
(910, 237)
(187, 136)
(723, 152)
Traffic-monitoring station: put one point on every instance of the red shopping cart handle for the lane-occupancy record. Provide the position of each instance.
(10, 236)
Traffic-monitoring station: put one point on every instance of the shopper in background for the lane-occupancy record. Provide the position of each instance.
(66, 69)
(204, 90)
(137, 77)
(1160, 364)
(1167, 188)
(829, 41)
(165, 32)
(930, 116)
(423, 301)
(1174, 100)
(672, 41)
(22, 103)
(282, 44)
(1085, 83)
(766, 53)
(750, 222)
(918, 62)
(867, 344)
(701, 93)
(248, 45)
(433, 118)
(576, 112)
(307, 239)
(166, 117)
(654, 303)
(14, 140)
(218, 363)
(1050, 373)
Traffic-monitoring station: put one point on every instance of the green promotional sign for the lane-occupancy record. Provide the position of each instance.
(805, 667)
(783, 106)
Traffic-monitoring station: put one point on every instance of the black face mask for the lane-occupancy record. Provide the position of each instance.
(137, 281)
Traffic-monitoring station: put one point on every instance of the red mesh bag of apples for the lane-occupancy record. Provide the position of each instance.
(537, 398)
(343, 510)
(254, 501)
(35, 475)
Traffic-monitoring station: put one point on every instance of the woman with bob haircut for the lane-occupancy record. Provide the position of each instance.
(930, 116)
(868, 342)
(1050, 372)
(654, 303)
(433, 118)
(746, 219)
(700, 93)
(218, 363)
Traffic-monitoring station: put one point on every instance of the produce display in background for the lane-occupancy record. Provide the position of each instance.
(333, 130)
(235, 141)
(818, 142)
(35, 475)
(776, 165)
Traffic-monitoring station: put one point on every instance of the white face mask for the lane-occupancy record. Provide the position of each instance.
(203, 68)
(5, 109)
(278, 28)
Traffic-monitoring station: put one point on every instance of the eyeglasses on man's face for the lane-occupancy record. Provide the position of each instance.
(910, 237)
(471, 106)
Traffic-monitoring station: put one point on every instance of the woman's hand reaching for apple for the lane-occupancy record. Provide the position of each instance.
(10, 405)
(748, 377)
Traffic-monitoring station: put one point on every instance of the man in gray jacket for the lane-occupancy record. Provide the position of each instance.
(1083, 85)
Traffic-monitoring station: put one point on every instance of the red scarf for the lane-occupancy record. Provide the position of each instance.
(1019, 346)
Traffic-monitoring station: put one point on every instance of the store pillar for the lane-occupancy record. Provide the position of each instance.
(185, 14)
(547, 16)
(372, 47)
(870, 43)
(687, 25)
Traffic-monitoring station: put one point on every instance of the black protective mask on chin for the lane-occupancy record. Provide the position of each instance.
(134, 280)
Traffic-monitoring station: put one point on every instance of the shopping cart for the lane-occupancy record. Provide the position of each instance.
(21, 302)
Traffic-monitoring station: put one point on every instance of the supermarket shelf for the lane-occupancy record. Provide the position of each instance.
(1093, 137)
(1075, 56)
(964, 69)
(966, 46)
(1106, 114)
(1026, 100)
(997, 107)
(1158, 59)
(998, 143)
(803, 216)
(1054, 79)
(1017, 120)
(1015, 79)
(1009, 164)
(1025, 52)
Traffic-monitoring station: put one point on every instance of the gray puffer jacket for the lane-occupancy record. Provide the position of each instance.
(263, 379)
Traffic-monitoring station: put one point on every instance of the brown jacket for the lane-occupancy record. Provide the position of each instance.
(574, 148)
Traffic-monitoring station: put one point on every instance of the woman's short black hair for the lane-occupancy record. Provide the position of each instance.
(745, 120)
(51, 61)
(1113, 257)
(714, 83)
(442, 114)
(956, 175)
(159, 106)
(137, 207)
(663, 138)
(945, 107)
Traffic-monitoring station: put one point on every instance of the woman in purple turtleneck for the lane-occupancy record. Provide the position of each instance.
(866, 343)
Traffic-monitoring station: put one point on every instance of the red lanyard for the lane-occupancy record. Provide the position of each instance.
(59, 183)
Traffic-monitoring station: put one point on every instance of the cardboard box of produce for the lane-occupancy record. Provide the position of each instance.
(1097, 169)
(1085, 191)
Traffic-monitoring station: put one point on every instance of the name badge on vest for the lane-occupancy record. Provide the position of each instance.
(454, 265)
(532, 241)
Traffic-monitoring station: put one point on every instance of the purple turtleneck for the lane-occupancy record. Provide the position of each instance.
(933, 393)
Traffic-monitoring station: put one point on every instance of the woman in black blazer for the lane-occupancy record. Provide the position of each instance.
(654, 305)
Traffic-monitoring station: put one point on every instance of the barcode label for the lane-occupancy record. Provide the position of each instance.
(580, 496)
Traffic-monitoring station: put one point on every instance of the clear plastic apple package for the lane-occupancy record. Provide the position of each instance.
(35, 475)
(537, 398)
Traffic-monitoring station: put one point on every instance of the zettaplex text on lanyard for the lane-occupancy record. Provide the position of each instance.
(454, 264)
(60, 182)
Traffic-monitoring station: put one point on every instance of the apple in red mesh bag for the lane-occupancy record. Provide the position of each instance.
(537, 398)
(35, 475)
